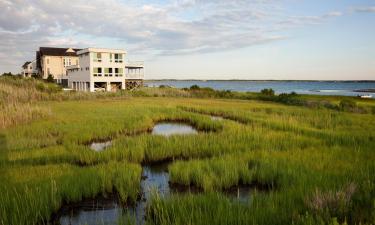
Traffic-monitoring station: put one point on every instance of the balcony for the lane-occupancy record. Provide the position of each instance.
(134, 64)
(134, 76)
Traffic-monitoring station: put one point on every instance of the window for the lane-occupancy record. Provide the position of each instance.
(48, 72)
(110, 57)
(118, 72)
(87, 68)
(108, 72)
(97, 56)
(118, 58)
(97, 71)
(67, 62)
(47, 60)
(76, 61)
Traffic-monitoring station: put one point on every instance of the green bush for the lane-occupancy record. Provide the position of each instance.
(50, 79)
(48, 87)
(195, 87)
(267, 92)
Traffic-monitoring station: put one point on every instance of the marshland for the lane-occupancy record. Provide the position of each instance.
(299, 159)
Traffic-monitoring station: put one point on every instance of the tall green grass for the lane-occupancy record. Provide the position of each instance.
(304, 154)
(30, 195)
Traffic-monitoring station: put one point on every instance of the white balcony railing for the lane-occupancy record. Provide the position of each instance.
(134, 76)
(134, 64)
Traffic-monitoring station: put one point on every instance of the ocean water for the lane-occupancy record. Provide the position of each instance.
(346, 88)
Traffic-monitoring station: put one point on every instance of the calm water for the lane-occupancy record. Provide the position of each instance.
(108, 210)
(100, 146)
(155, 179)
(168, 129)
(302, 87)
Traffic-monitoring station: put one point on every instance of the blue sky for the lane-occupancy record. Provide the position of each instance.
(200, 39)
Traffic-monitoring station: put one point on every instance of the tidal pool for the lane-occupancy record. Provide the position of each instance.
(98, 211)
(108, 210)
(167, 129)
(100, 146)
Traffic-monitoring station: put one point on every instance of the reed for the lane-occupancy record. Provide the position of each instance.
(31, 194)
(302, 155)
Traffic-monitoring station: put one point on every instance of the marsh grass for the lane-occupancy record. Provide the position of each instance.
(39, 191)
(302, 155)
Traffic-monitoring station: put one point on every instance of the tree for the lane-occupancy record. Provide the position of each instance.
(50, 78)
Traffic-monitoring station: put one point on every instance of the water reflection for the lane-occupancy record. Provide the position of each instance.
(155, 178)
(100, 146)
(168, 129)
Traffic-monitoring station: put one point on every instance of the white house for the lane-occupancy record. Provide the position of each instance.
(29, 68)
(102, 69)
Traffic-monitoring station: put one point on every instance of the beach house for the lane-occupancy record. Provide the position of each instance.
(54, 61)
(29, 69)
(101, 69)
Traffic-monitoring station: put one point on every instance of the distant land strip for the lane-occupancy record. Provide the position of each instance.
(341, 81)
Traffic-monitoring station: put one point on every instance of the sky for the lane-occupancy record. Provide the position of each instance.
(202, 39)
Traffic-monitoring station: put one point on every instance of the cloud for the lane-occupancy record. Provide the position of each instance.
(366, 9)
(169, 28)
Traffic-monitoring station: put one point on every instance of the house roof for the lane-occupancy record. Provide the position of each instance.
(58, 51)
(25, 64)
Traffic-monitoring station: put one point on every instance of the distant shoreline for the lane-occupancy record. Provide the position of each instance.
(342, 81)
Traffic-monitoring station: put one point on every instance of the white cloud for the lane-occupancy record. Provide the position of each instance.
(367, 9)
(177, 27)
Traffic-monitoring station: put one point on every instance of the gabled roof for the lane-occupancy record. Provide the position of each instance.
(25, 64)
(58, 51)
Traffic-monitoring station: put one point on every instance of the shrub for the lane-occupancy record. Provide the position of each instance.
(48, 87)
(36, 76)
(50, 79)
(195, 87)
(164, 86)
(267, 92)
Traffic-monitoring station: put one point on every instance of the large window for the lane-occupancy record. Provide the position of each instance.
(97, 56)
(67, 62)
(119, 72)
(108, 72)
(118, 58)
(97, 72)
